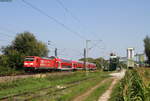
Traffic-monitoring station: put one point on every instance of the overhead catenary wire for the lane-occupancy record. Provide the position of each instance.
(67, 10)
(75, 18)
(5, 39)
(8, 41)
(73, 15)
(8, 35)
(7, 30)
(63, 51)
(54, 19)
(95, 45)
(57, 21)
(3, 29)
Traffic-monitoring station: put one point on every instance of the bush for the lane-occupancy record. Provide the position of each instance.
(6, 71)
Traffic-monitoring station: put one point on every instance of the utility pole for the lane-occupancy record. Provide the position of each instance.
(87, 49)
(84, 58)
(56, 52)
(49, 43)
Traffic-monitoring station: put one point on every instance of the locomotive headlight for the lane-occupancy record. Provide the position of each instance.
(31, 63)
(28, 63)
(25, 63)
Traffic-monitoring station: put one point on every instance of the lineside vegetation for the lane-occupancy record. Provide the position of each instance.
(54, 87)
(24, 44)
(133, 86)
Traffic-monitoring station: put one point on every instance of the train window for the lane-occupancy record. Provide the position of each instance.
(66, 66)
(52, 57)
(29, 59)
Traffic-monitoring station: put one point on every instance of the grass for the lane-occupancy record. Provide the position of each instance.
(21, 86)
(71, 93)
(99, 91)
(32, 85)
(116, 94)
(80, 89)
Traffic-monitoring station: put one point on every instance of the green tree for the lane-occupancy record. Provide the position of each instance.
(27, 44)
(91, 60)
(24, 44)
(100, 62)
(147, 47)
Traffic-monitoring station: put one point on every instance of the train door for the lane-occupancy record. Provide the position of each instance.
(57, 64)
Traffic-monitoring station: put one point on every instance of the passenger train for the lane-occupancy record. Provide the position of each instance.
(55, 63)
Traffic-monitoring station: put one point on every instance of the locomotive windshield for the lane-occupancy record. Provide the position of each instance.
(29, 59)
(52, 57)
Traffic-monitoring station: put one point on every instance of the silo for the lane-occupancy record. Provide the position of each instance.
(130, 57)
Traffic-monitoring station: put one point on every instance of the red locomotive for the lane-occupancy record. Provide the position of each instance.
(54, 63)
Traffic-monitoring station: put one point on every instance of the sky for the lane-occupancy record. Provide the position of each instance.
(110, 25)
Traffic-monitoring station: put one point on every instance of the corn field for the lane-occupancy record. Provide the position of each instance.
(132, 88)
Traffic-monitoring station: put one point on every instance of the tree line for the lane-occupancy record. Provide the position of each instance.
(26, 44)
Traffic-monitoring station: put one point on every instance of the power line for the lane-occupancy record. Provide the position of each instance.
(7, 30)
(95, 45)
(67, 10)
(5, 40)
(54, 19)
(63, 51)
(6, 35)
(75, 18)
(72, 15)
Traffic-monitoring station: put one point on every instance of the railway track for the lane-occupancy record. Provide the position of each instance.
(59, 89)
(49, 90)
(31, 73)
(26, 75)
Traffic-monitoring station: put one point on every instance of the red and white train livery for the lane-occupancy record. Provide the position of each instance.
(55, 63)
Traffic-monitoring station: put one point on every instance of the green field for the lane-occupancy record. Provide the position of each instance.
(53, 88)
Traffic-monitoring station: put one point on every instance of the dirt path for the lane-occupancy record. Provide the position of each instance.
(84, 95)
(106, 95)
(117, 77)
